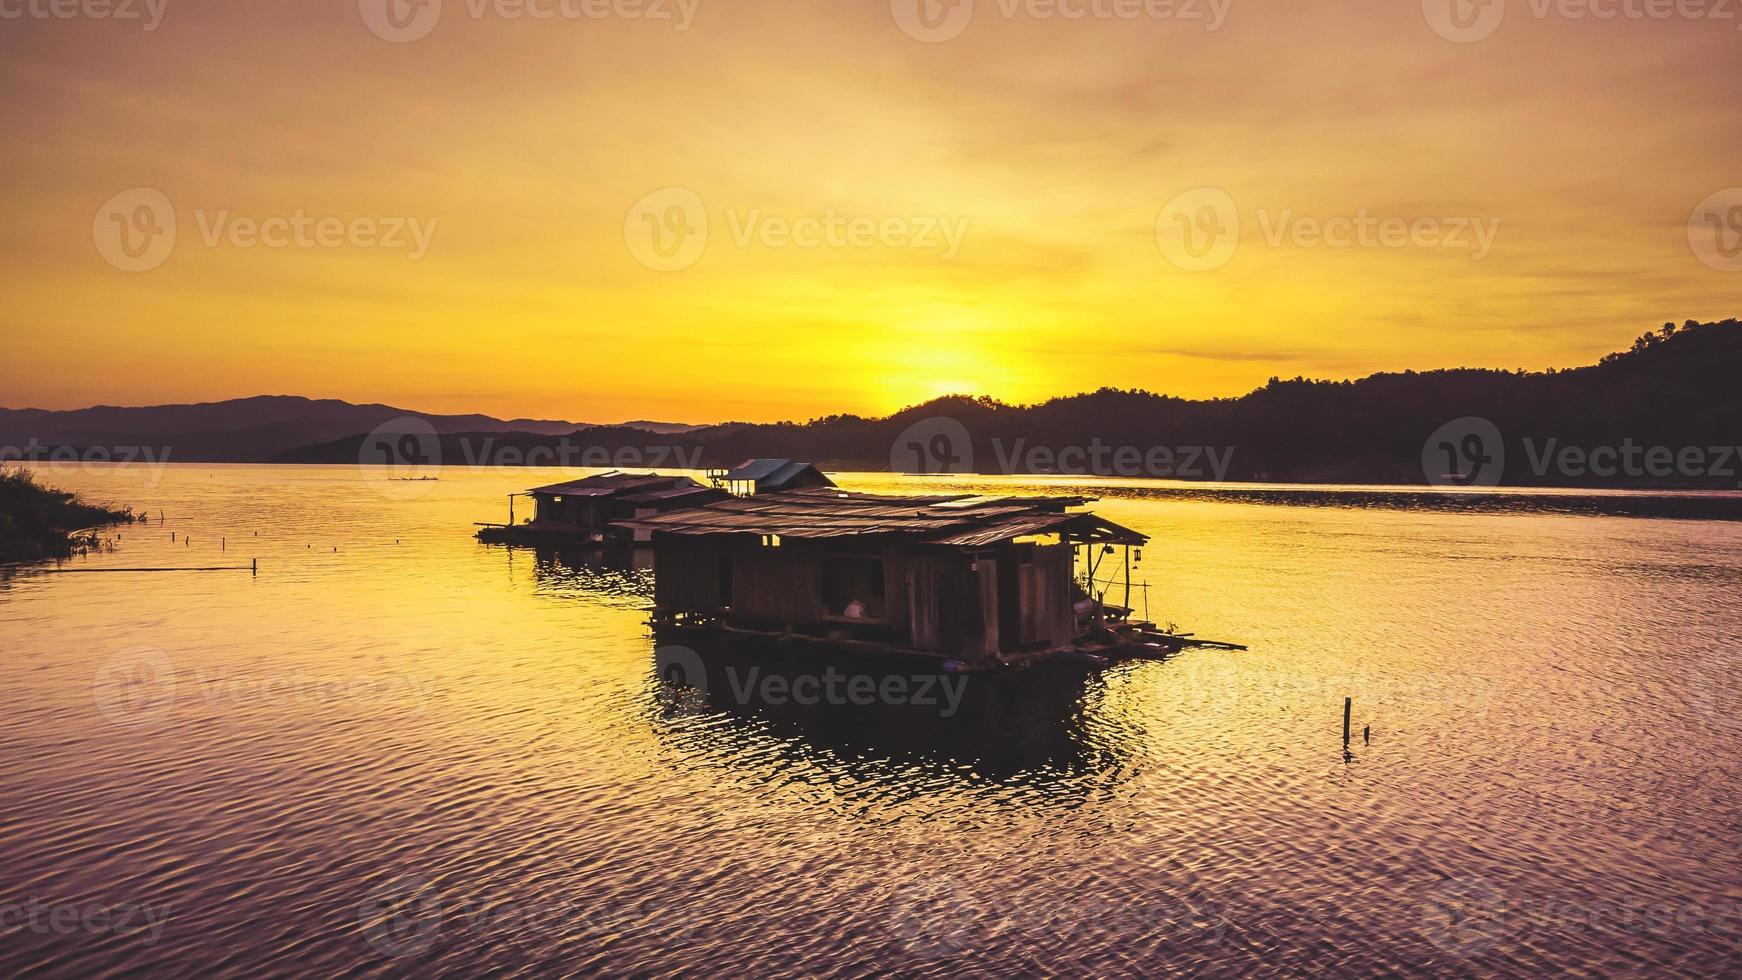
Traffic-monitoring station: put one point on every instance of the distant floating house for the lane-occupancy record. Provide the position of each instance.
(583, 511)
(755, 476)
(976, 579)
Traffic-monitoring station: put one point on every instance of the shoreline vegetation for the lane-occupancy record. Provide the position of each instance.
(39, 523)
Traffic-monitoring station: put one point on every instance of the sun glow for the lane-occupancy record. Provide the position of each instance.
(1048, 149)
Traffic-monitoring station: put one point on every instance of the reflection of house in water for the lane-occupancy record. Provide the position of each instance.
(1023, 725)
(582, 511)
(614, 576)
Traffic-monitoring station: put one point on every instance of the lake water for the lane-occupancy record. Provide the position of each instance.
(398, 751)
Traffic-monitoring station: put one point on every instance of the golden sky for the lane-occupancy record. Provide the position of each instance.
(557, 167)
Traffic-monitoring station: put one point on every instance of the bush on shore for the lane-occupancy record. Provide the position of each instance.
(38, 522)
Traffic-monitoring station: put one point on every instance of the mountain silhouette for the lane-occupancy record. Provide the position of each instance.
(1674, 393)
(240, 430)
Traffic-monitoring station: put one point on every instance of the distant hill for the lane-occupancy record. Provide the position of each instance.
(240, 430)
(1676, 390)
(1668, 412)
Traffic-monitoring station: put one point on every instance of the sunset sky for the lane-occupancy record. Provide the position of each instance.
(538, 155)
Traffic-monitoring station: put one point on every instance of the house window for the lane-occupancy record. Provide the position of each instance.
(853, 588)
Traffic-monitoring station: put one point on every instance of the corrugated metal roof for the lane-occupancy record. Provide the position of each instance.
(611, 484)
(699, 493)
(772, 474)
(755, 469)
(829, 513)
(1011, 527)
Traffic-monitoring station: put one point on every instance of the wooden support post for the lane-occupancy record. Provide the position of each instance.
(1347, 704)
(254, 566)
(1128, 581)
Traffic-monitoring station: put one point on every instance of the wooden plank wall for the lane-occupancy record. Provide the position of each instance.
(687, 575)
(1045, 596)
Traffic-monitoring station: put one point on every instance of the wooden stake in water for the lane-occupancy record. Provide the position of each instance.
(1347, 704)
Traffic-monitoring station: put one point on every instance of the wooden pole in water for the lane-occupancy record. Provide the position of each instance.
(510, 510)
(254, 566)
(1347, 704)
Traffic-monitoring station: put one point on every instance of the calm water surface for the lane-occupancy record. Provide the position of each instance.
(398, 751)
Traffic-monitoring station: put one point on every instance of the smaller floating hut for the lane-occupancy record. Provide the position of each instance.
(755, 476)
(583, 511)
